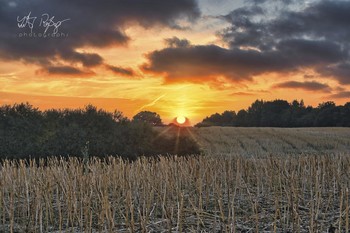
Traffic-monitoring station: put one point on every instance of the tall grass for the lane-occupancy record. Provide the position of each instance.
(276, 193)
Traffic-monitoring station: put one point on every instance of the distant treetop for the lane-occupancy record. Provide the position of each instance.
(151, 118)
(280, 113)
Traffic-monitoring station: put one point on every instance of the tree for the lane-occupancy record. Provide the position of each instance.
(151, 118)
(26, 132)
(227, 118)
(280, 113)
(326, 105)
(327, 114)
(345, 113)
(255, 112)
(242, 118)
(274, 113)
(20, 130)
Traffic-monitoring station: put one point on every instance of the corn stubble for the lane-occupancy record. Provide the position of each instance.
(218, 192)
(235, 194)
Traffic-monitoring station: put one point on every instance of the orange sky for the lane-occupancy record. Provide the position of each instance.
(193, 97)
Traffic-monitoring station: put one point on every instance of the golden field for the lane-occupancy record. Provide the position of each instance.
(265, 141)
(247, 180)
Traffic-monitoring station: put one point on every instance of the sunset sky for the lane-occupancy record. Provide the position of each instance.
(178, 57)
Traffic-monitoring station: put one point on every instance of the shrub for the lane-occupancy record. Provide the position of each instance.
(27, 132)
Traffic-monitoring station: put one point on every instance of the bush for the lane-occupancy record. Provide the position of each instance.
(27, 132)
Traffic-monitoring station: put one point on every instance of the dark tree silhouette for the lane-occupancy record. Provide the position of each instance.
(26, 132)
(280, 113)
(148, 117)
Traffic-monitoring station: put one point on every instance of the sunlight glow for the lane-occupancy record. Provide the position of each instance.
(180, 119)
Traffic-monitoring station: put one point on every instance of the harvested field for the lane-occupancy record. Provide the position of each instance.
(247, 180)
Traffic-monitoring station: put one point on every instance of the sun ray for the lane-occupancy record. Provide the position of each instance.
(176, 149)
(162, 132)
(193, 136)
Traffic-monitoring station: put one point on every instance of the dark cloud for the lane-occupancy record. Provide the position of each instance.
(316, 37)
(196, 62)
(121, 70)
(176, 42)
(241, 15)
(256, 1)
(311, 52)
(65, 71)
(341, 95)
(91, 23)
(87, 59)
(323, 19)
(287, 2)
(309, 76)
(308, 86)
(244, 31)
(327, 20)
(341, 71)
(242, 94)
(322, 22)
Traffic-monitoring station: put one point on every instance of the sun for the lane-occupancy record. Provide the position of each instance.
(180, 120)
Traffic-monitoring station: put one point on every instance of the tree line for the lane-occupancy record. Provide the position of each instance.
(281, 113)
(27, 132)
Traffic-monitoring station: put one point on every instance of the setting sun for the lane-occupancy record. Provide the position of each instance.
(180, 119)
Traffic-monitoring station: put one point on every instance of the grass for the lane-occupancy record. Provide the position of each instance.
(277, 189)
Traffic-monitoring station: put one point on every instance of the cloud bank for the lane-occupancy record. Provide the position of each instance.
(259, 41)
(88, 23)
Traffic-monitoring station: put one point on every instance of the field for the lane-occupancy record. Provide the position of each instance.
(247, 180)
(273, 141)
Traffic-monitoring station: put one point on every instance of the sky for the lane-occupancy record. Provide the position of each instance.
(186, 57)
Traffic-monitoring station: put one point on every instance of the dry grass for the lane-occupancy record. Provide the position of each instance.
(278, 192)
(266, 141)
